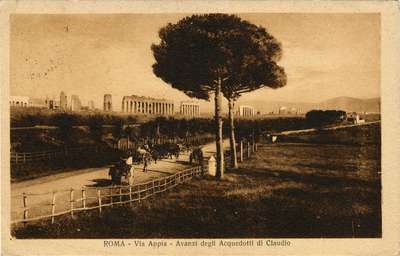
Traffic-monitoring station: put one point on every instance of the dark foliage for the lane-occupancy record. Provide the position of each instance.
(64, 122)
(319, 118)
(95, 124)
(199, 49)
(28, 117)
(88, 158)
(178, 127)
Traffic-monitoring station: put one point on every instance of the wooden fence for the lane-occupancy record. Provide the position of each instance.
(29, 157)
(32, 207)
(244, 150)
(89, 198)
(18, 158)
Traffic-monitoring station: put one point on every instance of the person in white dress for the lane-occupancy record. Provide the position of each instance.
(129, 162)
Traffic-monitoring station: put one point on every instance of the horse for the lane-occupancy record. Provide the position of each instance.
(166, 150)
(173, 150)
(159, 151)
(155, 155)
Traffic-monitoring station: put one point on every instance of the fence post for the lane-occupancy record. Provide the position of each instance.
(111, 197)
(138, 190)
(248, 149)
(130, 194)
(16, 157)
(83, 198)
(53, 207)
(24, 154)
(72, 201)
(120, 194)
(99, 199)
(241, 151)
(25, 203)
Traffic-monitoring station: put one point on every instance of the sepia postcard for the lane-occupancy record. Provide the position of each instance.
(200, 128)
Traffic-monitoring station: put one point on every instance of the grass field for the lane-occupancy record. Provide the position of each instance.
(369, 134)
(284, 190)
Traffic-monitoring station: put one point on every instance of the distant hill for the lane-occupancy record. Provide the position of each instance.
(340, 103)
(352, 104)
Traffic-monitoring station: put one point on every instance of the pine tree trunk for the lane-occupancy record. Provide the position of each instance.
(158, 133)
(218, 124)
(232, 140)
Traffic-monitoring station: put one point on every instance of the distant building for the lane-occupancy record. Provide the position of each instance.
(63, 101)
(293, 110)
(91, 105)
(189, 108)
(76, 104)
(19, 101)
(354, 118)
(107, 105)
(38, 103)
(52, 104)
(246, 111)
(146, 105)
(283, 110)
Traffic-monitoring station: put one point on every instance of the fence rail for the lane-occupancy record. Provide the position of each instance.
(99, 197)
(27, 157)
(17, 158)
(244, 149)
(55, 203)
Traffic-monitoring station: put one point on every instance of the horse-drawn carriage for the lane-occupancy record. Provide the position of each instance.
(142, 155)
(166, 150)
(196, 156)
(119, 170)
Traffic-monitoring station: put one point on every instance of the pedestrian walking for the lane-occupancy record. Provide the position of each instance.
(155, 155)
(145, 162)
(129, 162)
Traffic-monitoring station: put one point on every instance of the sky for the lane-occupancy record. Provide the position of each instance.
(324, 56)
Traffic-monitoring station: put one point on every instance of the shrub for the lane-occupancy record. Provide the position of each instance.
(318, 118)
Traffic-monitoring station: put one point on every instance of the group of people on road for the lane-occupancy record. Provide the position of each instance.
(125, 166)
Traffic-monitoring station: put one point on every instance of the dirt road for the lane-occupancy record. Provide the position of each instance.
(39, 191)
(324, 129)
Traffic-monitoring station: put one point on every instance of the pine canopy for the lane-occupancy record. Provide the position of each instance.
(200, 50)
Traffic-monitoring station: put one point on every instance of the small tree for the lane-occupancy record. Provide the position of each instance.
(320, 118)
(65, 123)
(255, 69)
(118, 130)
(95, 124)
